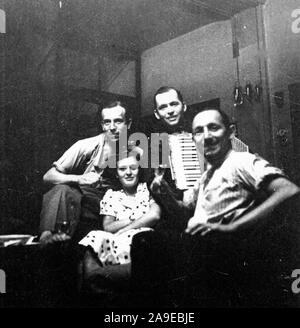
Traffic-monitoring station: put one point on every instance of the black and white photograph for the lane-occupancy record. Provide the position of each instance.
(149, 156)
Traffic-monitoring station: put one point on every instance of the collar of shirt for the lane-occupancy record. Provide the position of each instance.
(141, 195)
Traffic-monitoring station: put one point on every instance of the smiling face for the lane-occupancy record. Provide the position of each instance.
(114, 122)
(169, 108)
(128, 173)
(209, 128)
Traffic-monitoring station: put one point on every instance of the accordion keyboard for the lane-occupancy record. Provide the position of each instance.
(184, 161)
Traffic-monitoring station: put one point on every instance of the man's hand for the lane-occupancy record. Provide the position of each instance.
(105, 182)
(89, 179)
(204, 229)
(157, 185)
(47, 237)
(160, 186)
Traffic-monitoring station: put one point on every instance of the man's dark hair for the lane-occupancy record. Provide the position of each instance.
(224, 116)
(165, 89)
(114, 103)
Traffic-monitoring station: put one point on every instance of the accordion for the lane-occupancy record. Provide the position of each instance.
(187, 161)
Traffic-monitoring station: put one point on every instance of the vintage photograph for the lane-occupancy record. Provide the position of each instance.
(149, 154)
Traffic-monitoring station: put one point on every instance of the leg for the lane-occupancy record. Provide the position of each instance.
(61, 203)
(98, 277)
(151, 261)
(90, 202)
(90, 208)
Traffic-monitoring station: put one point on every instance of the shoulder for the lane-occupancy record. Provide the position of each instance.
(239, 164)
(142, 188)
(110, 196)
(90, 142)
(246, 160)
(241, 159)
(110, 193)
(252, 168)
(243, 156)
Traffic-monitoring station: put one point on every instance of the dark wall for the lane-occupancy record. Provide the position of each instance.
(43, 110)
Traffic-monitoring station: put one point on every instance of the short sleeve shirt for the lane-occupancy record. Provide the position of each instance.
(81, 156)
(225, 193)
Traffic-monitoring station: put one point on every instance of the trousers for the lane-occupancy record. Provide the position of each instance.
(71, 204)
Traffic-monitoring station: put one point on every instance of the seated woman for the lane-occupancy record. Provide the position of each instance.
(128, 211)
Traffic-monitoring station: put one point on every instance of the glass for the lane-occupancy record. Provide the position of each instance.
(160, 171)
(63, 227)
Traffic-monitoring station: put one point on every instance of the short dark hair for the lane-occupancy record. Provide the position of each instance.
(224, 116)
(115, 103)
(165, 89)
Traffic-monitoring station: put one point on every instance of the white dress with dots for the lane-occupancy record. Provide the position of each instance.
(111, 248)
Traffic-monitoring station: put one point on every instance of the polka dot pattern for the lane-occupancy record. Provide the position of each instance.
(122, 207)
(111, 249)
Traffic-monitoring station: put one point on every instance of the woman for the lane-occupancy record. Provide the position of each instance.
(127, 211)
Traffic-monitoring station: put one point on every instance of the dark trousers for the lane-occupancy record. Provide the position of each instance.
(68, 203)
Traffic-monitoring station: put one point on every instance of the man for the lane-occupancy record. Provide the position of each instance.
(169, 109)
(236, 194)
(236, 199)
(76, 176)
(228, 189)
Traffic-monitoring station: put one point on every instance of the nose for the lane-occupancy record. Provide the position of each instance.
(112, 126)
(170, 110)
(206, 133)
(128, 171)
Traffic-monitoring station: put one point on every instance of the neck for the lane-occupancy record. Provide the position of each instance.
(217, 161)
(175, 128)
(130, 191)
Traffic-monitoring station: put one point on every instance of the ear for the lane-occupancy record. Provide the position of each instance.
(184, 107)
(129, 122)
(231, 131)
(156, 114)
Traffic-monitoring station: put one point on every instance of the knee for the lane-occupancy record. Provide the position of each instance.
(147, 245)
(143, 240)
(63, 188)
(57, 190)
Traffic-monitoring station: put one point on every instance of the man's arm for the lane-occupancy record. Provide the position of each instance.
(72, 158)
(165, 195)
(279, 190)
(53, 176)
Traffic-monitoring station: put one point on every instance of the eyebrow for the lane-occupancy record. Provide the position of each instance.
(162, 106)
(198, 128)
(115, 119)
(174, 102)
